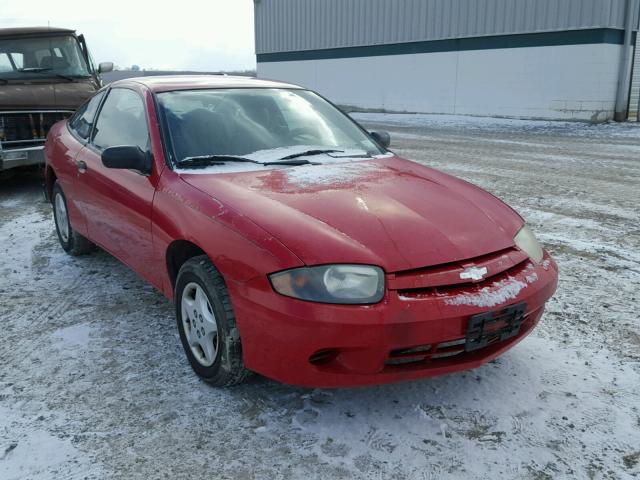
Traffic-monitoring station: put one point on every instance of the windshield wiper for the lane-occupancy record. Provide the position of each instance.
(46, 70)
(308, 153)
(205, 160)
(293, 162)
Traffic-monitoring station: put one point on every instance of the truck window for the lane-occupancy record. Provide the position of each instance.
(35, 57)
(10, 61)
(5, 64)
(82, 120)
(121, 121)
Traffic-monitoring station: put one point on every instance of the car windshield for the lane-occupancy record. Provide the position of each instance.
(259, 123)
(41, 57)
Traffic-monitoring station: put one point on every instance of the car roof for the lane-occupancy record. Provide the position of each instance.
(10, 32)
(166, 83)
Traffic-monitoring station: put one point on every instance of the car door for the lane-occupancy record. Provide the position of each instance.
(64, 149)
(117, 203)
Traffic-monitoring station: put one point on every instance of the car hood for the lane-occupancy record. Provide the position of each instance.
(45, 94)
(388, 212)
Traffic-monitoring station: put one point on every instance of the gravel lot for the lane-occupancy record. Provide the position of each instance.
(94, 383)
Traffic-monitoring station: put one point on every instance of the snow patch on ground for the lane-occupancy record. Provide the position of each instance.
(536, 387)
(30, 452)
(495, 124)
(74, 339)
(9, 202)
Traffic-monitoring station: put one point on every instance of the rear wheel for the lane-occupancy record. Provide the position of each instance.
(207, 324)
(71, 241)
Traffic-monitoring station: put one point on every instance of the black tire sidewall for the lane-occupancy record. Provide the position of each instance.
(193, 274)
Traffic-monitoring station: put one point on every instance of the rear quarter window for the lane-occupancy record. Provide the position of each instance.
(82, 121)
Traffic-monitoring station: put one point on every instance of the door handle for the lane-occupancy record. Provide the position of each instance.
(82, 166)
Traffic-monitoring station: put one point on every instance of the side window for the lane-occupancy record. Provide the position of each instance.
(10, 61)
(121, 121)
(18, 59)
(82, 121)
(5, 64)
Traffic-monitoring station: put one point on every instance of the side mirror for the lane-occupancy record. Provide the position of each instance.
(127, 157)
(105, 67)
(382, 138)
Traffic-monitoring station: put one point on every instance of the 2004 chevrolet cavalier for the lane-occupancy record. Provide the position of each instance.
(293, 243)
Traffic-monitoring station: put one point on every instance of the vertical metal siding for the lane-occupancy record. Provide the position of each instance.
(291, 25)
(635, 83)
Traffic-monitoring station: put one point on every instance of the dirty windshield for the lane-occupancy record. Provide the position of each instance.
(263, 124)
(41, 57)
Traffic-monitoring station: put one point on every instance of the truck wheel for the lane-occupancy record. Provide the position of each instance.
(72, 242)
(207, 324)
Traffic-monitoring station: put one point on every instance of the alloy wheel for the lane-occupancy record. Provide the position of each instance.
(62, 220)
(199, 324)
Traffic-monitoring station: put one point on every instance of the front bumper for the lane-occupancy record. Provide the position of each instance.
(319, 345)
(21, 157)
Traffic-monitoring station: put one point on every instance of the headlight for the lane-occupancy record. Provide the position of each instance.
(526, 241)
(351, 284)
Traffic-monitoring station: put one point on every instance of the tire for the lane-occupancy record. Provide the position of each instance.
(205, 319)
(71, 241)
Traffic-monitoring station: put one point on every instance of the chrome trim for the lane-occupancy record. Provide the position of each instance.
(15, 112)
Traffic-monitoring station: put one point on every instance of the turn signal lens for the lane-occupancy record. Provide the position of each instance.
(526, 241)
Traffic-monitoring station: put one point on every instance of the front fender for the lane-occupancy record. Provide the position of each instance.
(239, 248)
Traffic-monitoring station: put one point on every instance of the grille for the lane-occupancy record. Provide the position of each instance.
(323, 356)
(27, 129)
(452, 351)
(442, 278)
(466, 288)
(423, 353)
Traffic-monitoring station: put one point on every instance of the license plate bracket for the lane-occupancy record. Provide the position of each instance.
(489, 327)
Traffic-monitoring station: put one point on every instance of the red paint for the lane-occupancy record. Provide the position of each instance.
(421, 226)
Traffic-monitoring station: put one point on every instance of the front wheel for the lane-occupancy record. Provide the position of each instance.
(207, 324)
(71, 241)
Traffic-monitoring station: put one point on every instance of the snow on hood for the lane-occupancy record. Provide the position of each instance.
(330, 174)
(388, 212)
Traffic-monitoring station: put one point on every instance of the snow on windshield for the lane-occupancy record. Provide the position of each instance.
(331, 164)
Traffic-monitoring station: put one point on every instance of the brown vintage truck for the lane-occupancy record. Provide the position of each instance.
(45, 74)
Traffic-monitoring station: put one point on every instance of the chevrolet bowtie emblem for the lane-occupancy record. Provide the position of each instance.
(473, 273)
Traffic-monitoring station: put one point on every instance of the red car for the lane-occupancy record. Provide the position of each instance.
(292, 241)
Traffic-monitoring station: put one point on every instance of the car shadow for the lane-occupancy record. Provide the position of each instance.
(21, 183)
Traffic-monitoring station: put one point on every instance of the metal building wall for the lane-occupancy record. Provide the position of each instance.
(295, 25)
(635, 83)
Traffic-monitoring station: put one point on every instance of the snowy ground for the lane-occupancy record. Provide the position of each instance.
(94, 383)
